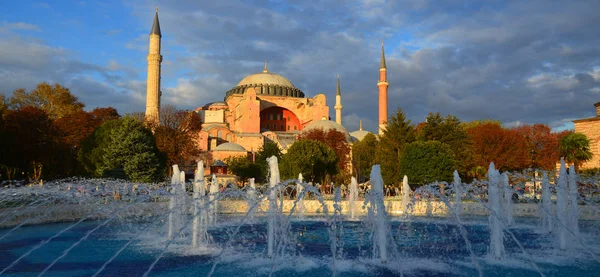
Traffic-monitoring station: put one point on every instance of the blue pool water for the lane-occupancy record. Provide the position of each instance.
(424, 247)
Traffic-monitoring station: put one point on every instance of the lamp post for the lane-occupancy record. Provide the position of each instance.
(532, 152)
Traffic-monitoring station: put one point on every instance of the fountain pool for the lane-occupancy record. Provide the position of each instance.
(115, 228)
(426, 247)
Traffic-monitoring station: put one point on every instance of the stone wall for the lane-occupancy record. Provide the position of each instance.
(591, 129)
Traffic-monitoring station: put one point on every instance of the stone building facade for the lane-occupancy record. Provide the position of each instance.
(262, 107)
(590, 127)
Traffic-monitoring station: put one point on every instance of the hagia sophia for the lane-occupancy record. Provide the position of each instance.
(262, 107)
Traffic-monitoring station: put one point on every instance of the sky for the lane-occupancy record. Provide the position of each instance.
(520, 62)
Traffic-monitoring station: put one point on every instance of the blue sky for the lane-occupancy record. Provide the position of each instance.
(515, 61)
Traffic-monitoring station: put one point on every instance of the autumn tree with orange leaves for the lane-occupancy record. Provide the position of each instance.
(507, 148)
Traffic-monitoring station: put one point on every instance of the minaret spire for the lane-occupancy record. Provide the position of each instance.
(360, 125)
(265, 69)
(153, 92)
(382, 61)
(383, 91)
(338, 102)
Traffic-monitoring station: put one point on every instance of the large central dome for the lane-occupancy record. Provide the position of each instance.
(266, 78)
(267, 84)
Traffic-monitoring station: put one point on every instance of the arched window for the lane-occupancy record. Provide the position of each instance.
(229, 137)
(220, 134)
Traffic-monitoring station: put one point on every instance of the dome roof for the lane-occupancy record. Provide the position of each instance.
(266, 78)
(327, 125)
(359, 134)
(231, 147)
(267, 84)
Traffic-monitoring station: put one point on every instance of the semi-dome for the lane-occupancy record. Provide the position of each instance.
(230, 147)
(266, 83)
(327, 125)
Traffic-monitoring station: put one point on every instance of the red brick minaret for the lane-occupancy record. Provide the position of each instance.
(383, 93)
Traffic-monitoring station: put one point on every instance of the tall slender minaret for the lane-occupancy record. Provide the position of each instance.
(338, 102)
(153, 92)
(383, 92)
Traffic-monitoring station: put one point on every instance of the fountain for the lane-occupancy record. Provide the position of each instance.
(200, 236)
(152, 231)
(405, 195)
(546, 211)
(507, 205)
(300, 194)
(213, 204)
(352, 198)
(494, 198)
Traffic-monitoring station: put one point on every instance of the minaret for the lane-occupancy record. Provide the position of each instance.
(338, 102)
(153, 84)
(383, 89)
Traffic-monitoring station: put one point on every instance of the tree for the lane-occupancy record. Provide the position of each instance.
(123, 144)
(363, 156)
(335, 139)
(542, 143)
(575, 148)
(177, 135)
(398, 133)
(74, 128)
(57, 101)
(267, 150)
(449, 130)
(313, 159)
(29, 141)
(492, 143)
(243, 167)
(426, 162)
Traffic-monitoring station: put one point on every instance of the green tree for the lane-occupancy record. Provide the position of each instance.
(575, 148)
(426, 162)
(336, 140)
(243, 168)
(398, 133)
(314, 159)
(267, 150)
(449, 130)
(363, 156)
(123, 144)
(56, 100)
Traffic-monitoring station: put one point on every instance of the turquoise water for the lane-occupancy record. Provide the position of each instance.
(423, 247)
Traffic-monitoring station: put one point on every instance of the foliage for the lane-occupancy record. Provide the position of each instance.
(313, 159)
(177, 135)
(28, 141)
(426, 162)
(267, 150)
(449, 130)
(505, 147)
(243, 168)
(56, 100)
(398, 133)
(475, 123)
(335, 139)
(363, 156)
(575, 148)
(123, 143)
(542, 145)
